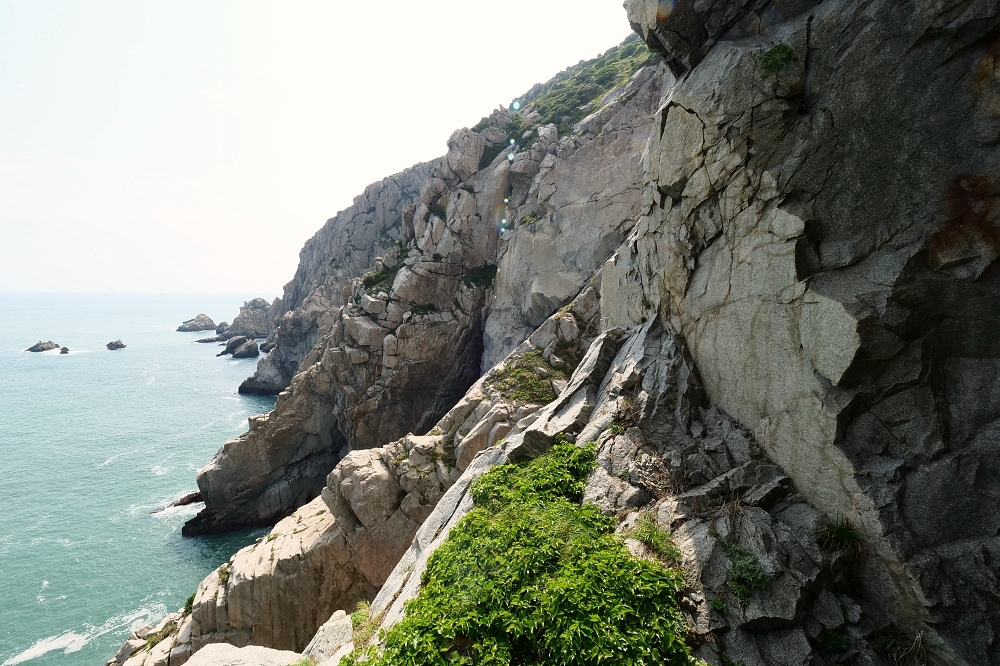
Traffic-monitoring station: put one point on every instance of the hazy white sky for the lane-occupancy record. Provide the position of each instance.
(194, 145)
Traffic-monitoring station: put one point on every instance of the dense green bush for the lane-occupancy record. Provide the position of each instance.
(481, 277)
(745, 574)
(530, 576)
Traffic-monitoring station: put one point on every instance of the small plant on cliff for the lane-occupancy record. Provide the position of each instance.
(775, 59)
(745, 574)
(481, 277)
(423, 309)
(529, 218)
(189, 605)
(842, 536)
(159, 637)
(530, 576)
(526, 378)
(719, 606)
(224, 574)
(647, 531)
(438, 210)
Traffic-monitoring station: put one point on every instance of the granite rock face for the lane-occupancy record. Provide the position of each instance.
(200, 323)
(346, 247)
(255, 320)
(247, 350)
(831, 263)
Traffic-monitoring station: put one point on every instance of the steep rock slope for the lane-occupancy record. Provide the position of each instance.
(343, 249)
(821, 225)
(407, 340)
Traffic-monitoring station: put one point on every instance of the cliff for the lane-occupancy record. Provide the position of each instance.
(771, 305)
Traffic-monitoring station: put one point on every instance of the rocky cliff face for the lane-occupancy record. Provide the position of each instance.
(406, 340)
(343, 249)
(790, 361)
(820, 224)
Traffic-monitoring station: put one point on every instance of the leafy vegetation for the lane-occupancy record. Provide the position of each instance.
(189, 605)
(842, 536)
(776, 59)
(423, 309)
(530, 576)
(834, 641)
(364, 623)
(481, 277)
(529, 218)
(526, 379)
(573, 93)
(155, 639)
(305, 661)
(224, 574)
(438, 210)
(658, 539)
(745, 574)
(719, 606)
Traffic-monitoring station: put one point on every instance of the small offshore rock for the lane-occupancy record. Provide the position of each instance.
(117, 344)
(190, 498)
(247, 350)
(214, 338)
(200, 323)
(222, 328)
(233, 345)
(42, 346)
(64, 350)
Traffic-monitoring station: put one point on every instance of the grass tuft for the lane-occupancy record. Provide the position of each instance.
(647, 531)
(526, 379)
(776, 59)
(841, 536)
(745, 573)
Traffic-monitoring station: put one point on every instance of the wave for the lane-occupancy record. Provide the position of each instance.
(117, 456)
(71, 641)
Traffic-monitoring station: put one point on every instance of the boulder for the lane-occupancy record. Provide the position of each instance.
(117, 344)
(64, 350)
(222, 328)
(232, 345)
(247, 350)
(200, 323)
(217, 338)
(254, 320)
(223, 654)
(42, 346)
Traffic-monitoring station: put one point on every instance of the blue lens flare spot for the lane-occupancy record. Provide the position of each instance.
(516, 105)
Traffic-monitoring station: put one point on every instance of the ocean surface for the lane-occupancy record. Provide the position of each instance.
(90, 444)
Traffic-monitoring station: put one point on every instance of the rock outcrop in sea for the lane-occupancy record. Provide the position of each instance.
(42, 346)
(117, 344)
(759, 271)
(255, 320)
(200, 323)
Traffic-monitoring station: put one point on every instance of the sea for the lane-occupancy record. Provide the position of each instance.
(92, 444)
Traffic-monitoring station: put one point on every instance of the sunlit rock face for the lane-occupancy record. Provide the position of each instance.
(820, 223)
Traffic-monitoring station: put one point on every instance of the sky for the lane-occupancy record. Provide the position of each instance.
(194, 145)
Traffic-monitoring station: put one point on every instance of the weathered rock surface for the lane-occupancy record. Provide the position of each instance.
(831, 261)
(233, 344)
(346, 247)
(247, 350)
(227, 655)
(255, 320)
(222, 328)
(117, 344)
(42, 346)
(200, 323)
(64, 350)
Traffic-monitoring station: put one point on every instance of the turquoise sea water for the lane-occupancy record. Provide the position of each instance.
(90, 444)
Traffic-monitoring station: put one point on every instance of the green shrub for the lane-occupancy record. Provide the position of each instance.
(776, 59)
(305, 661)
(481, 277)
(834, 641)
(376, 281)
(529, 218)
(745, 574)
(521, 380)
(158, 637)
(719, 606)
(616, 428)
(438, 210)
(224, 574)
(841, 536)
(423, 309)
(490, 153)
(572, 94)
(530, 576)
(189, 605)
(658, 539)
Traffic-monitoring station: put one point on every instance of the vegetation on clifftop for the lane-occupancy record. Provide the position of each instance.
(532, 576)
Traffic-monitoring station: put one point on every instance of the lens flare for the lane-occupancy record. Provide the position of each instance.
(512, 142)
(664, 9)
(510, 157)
(516, 105)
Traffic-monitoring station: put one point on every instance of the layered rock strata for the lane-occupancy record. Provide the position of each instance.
(255, 320)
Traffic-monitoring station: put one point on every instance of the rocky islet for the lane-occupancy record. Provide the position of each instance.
(778, 335)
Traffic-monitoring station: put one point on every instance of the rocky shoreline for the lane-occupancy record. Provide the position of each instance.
(729, 275)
